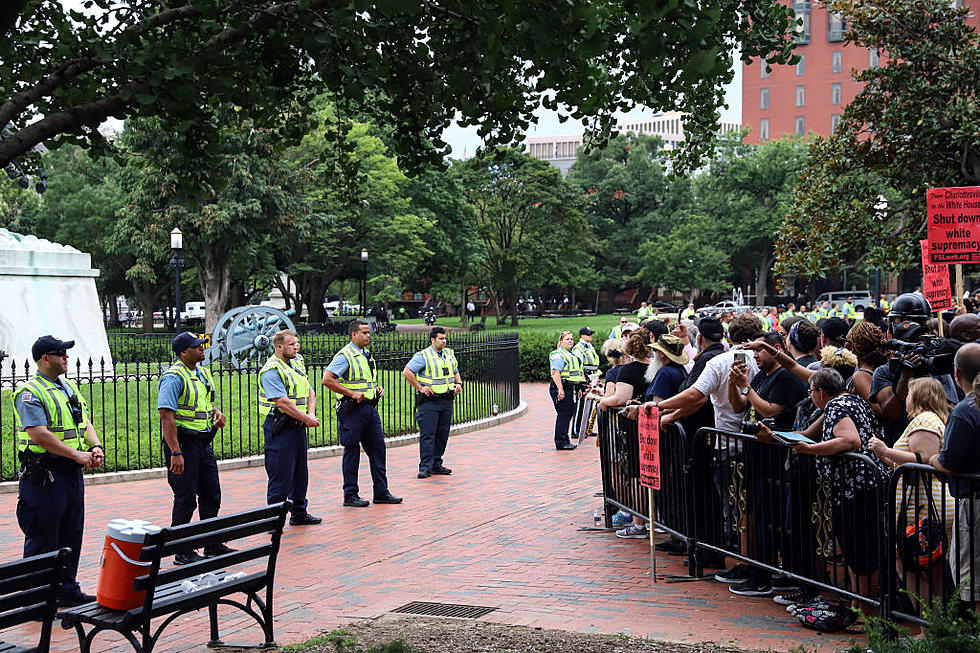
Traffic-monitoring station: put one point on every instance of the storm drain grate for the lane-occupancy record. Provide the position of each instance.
(444, 610)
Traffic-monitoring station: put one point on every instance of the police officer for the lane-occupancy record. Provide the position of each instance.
(287, 406)
(55, 440)
(189, 421)
(585, 351)
(352, 376)
(566, 378)
(434, 372)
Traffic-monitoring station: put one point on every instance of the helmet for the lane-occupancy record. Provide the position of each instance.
(910, 305)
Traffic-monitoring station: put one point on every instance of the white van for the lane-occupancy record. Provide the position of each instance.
(193, 312)
(861, 298)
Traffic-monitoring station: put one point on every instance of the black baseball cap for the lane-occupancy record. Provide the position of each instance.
(186, 340)
(585, 331)
(711, 328)
(49, 345)
(835, 328)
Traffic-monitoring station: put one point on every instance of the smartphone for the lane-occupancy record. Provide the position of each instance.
(741, 357)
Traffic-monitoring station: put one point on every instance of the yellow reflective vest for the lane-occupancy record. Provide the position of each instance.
(572, 372)
(195, 405)
(58, 411)
(362, 375)
(293, 375)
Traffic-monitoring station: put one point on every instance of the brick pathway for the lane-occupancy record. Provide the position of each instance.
(502, 531)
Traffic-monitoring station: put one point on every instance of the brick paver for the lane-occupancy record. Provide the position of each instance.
(502, 531)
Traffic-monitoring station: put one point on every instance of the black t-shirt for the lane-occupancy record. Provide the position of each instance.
(782, 388)
(633, 373)
(960, 452)
(806, 360)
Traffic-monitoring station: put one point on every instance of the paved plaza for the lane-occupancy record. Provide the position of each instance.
(502, 531)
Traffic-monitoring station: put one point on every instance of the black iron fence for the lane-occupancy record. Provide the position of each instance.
(835, 523)
(123, 401)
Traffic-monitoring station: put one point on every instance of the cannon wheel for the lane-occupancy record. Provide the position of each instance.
(243, 335)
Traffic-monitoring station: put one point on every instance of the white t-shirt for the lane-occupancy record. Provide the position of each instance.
(713, 383)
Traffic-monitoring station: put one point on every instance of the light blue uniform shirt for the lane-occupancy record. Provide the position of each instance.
(31, 411)
(272, 384)
(557, 361)
(417, 364)
(171, 386)
(339, 364)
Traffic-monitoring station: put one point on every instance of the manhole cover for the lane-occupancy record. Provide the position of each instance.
(444, 610)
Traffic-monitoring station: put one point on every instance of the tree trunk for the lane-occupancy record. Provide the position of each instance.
(513, 307)
(287, 297)
(214, 271)
(313, 295)
(146, 300)
(762, 284)
(113, 311)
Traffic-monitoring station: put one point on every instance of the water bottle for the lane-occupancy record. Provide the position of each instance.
(597, 517)
(494, 410)
(188, 586)
(207, 580)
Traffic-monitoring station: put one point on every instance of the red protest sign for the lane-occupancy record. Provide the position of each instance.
(650, 448)
(935, 281)
(954, 224)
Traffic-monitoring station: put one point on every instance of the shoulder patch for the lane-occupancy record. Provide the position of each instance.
(28, 397)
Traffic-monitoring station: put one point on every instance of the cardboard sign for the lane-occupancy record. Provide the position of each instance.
(954, 225)
(650, 448)
(935, 281)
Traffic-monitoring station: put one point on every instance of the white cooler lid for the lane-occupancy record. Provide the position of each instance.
(131, 530)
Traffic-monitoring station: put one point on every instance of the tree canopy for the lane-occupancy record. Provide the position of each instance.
(414, 66)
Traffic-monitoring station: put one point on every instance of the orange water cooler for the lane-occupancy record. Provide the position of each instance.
(121, 564)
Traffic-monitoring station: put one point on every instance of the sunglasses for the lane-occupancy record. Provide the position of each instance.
(60, 352)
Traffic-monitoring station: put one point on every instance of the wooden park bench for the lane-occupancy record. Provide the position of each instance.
(166, 598)
(29, 592)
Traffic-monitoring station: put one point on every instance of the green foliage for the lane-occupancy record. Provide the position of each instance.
(345, 641)
(686, 257)
(912, 126)
(953, 628)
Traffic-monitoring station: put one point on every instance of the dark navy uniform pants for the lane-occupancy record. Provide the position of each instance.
(434, 418)
(565, 409)
(198, 486)
(285, 464)
(53, 516)
(361, 427)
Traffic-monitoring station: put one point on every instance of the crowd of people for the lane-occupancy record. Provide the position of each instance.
(883, 384)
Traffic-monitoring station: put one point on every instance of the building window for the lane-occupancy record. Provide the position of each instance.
(835, 27)
(834, 121)
(835, 93)
(763, 69)
(801, 96)
(872, 58)
(799, 125)
(763, 98)
(836, 61)
(801, 66)
(802, 10)
(764, 129)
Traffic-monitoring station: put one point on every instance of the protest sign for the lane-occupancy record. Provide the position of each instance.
(953, 225)
(935, 281)
(650, 448)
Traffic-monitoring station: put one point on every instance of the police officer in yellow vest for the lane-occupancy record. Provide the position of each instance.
(189, 421)
(353, 377)
(55, 440)
(434, 372)
(287, 406)
(566, 378)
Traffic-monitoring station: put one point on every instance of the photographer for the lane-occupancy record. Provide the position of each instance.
(53, 431)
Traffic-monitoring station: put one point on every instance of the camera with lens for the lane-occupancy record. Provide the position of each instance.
(936, 355)
(752, 428)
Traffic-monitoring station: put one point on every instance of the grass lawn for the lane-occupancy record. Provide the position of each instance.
(125, 415)
(602, 324)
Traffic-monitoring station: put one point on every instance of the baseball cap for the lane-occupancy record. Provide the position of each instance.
(49, 345)
(835, 328)
(585, 331)
(711, 328)
(186, 340)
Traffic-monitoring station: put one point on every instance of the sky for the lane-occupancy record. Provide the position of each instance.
(460, 138)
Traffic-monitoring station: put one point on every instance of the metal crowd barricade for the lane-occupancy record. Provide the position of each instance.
(820, 522)
(933, 521)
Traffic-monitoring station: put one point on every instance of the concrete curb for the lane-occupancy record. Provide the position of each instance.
(9, 487)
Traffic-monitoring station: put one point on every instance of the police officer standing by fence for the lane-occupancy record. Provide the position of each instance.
(434, 372)
(189, 421)
(287, 406)
(353, 377)
(53, 431)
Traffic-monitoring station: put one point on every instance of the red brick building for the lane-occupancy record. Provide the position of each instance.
(810, 96)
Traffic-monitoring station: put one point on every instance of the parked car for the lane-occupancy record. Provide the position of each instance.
(862, 298)
(666, 307)
(723, 306)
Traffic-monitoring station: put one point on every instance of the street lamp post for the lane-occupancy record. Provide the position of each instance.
(177, 245)
(363, 288)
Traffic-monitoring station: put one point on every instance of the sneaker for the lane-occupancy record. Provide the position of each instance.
(784, 584)
(815, 602)
(621, 520)
(737, 574)
(633, 532)
(187, 558)
(72, 598)
(672, 546)
(800, 596)
(748, 588)
(212, 550)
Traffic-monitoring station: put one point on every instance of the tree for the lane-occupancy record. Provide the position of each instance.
(354, 198)
(530, 221)
(413, 65)
(912, 126)
(685, 258)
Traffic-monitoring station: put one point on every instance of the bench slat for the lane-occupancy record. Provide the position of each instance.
(13, 648)
(215, 523)
(179, 573)
(29, 580)
(185, 544)
(31, 612)
(27, 597)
